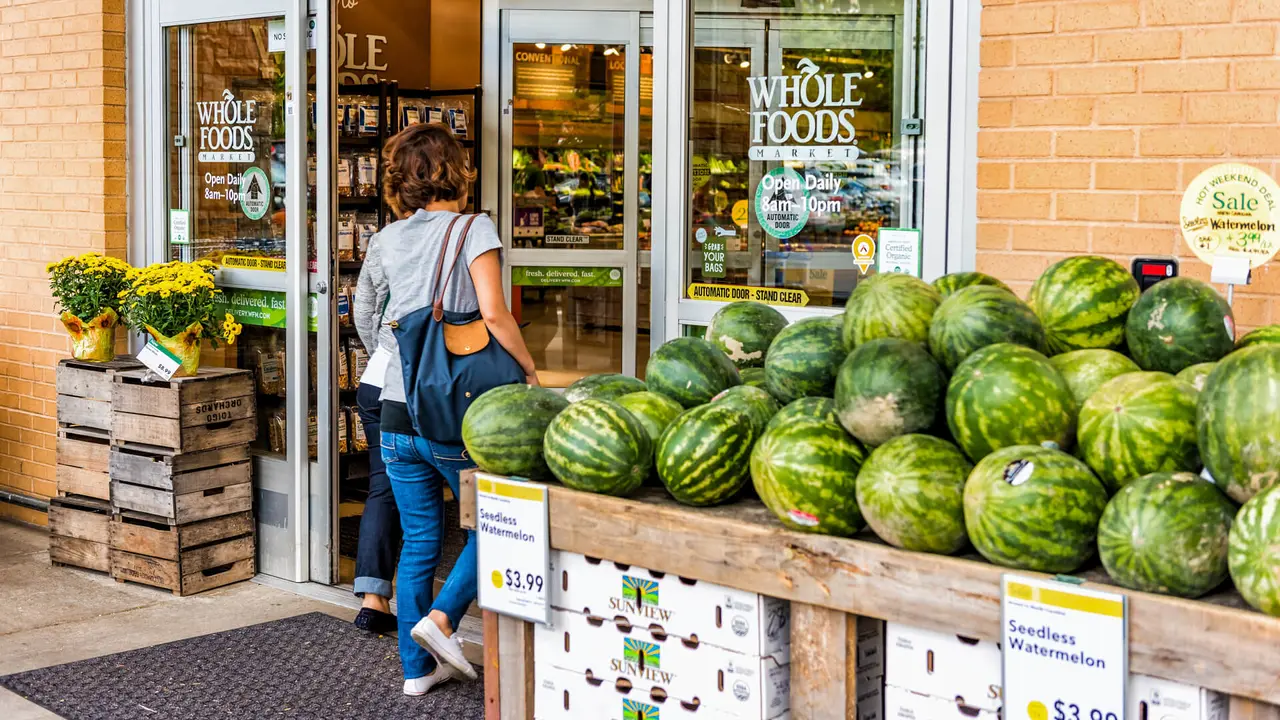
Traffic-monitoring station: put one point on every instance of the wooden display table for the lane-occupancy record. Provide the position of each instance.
(1216, 642)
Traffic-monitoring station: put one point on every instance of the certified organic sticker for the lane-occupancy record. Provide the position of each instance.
(1231, 210)
(782, 203)
(255, 193)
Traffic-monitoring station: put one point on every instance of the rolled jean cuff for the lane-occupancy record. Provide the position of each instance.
(376, 586)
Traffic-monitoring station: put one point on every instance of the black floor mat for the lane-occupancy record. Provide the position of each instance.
(308, 667)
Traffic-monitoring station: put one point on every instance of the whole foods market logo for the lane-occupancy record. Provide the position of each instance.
(632, 710)
(639, 597)
(226, 129)
(643, 660)
(807, 116)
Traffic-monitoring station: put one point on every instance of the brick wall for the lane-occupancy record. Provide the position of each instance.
(1094, 116)
(62, 192)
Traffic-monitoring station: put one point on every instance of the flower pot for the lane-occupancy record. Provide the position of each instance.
(186, 345)
(94, 340)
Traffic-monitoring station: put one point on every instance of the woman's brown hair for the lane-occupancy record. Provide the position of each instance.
(424, 163)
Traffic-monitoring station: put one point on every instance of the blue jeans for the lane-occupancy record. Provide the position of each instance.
(380, 524)
(416, 467)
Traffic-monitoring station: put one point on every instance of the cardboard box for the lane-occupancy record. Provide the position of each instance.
(1153, 698)
(940, 665)
(561, 695)
(870, 647)
(902, 704)
(870, 696)
(744, 622)
(748, 687)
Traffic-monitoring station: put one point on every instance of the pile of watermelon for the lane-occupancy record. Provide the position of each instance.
(1089, 420)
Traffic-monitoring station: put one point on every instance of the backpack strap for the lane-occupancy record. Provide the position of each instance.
(437, 305)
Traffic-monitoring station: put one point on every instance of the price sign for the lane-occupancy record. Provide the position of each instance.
(1065, 651)
(160, 361)
(513, 547)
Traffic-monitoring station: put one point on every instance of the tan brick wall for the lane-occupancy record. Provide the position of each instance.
(1095, 115)
(62, 192)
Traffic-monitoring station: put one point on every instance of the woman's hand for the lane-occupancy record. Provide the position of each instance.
(532, 379)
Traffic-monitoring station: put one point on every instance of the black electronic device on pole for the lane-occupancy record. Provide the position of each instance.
(1149, 271)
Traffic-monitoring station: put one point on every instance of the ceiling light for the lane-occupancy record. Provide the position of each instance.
(868, 74)
(744, 64)
(540, 46)
(566, 47)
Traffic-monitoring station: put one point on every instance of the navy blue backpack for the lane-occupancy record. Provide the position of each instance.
(448, 359)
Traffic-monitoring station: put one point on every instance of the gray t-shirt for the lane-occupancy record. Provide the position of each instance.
(399, 273)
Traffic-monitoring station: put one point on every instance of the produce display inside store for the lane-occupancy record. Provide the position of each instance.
(1091, 424)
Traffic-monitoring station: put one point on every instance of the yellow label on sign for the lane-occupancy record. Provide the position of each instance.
(1230, 210)
(741, 213)
(864, 252)
(700, 172)
(250, 262)
(734, 293)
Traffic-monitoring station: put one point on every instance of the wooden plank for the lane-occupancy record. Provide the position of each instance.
(492, 667)
(824, 656)
(1242, 709)
(216, 555)
(142, 499)
(79, 553)
(70, 521)
(237, 432)
(218, 410)
(166, 399)
(84, 411)
(221, 528)
(84, 453)
(213, 503)
(214, 477)
(159, 469)
(199, 582)
(155, 400)
(83, 383)
(78, 481)
(186, 462)
(515, 668)
(166, 432)
(144, 539)
(145, 570)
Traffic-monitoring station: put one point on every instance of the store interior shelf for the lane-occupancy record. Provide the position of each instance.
(1215, 642)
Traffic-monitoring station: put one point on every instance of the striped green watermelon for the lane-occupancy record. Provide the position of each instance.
(653, 410)
(754, 377)
(704, 455)
(808, 408)
(978, 316)
(605, 386)
(948, 285)
(1177, 323)
(1238, 421)
(804, 472)
(1167, 533)
(1253, 551)
(758, 404)
(1006, 395)
(911, 491)
(690, 371)
(504, 428)
(743, 330)
(1196, 375)
(1033, 508)
(889, 305)
(597, 446)
(1086, 370)
(1083, 302)
(1137, 424)
(804, 359)
(889, 387)
(1269, 334)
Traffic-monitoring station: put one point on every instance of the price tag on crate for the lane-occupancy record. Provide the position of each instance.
(161, 362)
(1066, 651)
(513, 547)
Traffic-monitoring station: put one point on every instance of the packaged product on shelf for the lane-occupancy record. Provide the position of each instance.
(460, 123)
(366, 228)
(367, 174)
(368, 120)
(345, 173)
(313, 365)
(311, 170)
(410, 115)
(344, 307)
(344, 373)
(277, 429)
(340, 119)
(313, 436)
(358, 361)
(343, 446)
(346, 236)
(268, 371)
(359, 443)
(280, 358)
(435, 115)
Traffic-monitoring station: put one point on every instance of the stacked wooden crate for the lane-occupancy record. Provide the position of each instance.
(79, 515)
(181, 481)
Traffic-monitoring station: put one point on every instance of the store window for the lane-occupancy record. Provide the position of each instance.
(798, 154)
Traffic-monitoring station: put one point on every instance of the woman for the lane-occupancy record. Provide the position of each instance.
(426, 183)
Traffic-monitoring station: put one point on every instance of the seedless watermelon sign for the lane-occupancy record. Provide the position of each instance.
(1231, 210)
(513, 549)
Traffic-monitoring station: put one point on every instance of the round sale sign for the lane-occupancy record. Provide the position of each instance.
(1231, 210)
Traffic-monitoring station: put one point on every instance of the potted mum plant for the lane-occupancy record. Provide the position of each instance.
(87, 288)
(173, 303)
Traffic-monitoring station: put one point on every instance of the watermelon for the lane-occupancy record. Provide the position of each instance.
(888, 387)
(1269, 334)
(758, 404)
(1006, 395)
(889, 305)
(743, 330)
(597, 446)
(809, 408)
(690, 371)
(1033, 508)
(1083, 302)
(948, 285)
(1253, 551)
(605, 386)
(753, 376)
(1167, 533)
(978, 316)
(1137, 424)
(804, 472)
(1195, 375)
(1238, 421)
(804, 359)
(1085, 370)
(654, 411)
(704, 456)
(1177, 323)
(504, 428)
(911, 492)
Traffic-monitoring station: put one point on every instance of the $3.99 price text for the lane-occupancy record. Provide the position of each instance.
(1063, 710)
(516, 580)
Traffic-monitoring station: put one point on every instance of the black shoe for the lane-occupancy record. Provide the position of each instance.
(375, 621)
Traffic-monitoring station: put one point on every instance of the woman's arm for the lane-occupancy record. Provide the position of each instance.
(371, 289)
(486, 275)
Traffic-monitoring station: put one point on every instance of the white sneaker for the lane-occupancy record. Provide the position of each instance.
(421, 686)
(447, 649)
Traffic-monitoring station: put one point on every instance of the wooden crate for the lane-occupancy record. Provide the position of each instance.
(184, 559)
(182, 488)
(84, 391)
(78, 533)
(83, 456)
(211, 410)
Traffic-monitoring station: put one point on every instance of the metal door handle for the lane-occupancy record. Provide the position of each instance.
(322, 287)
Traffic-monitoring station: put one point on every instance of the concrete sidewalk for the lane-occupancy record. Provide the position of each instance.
(54, 615)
